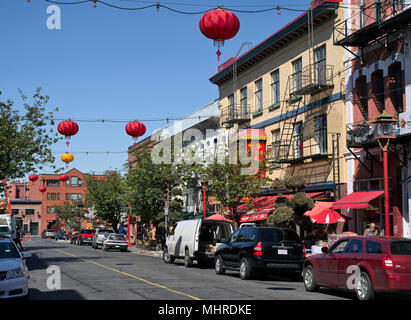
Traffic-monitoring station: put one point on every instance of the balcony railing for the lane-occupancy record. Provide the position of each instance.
(235, 114)
(370, 22)
(315, 147)
(312, 79)
(360, 135)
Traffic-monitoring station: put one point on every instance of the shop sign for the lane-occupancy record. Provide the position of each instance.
(404, 123)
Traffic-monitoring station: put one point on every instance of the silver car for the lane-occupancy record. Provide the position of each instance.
(14, 275)
(115, 241)
(100, 235)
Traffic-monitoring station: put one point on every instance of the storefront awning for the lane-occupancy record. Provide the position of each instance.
(253, 217)
(357, 200)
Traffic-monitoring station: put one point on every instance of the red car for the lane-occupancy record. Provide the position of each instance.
(85, 236)
(364, 264)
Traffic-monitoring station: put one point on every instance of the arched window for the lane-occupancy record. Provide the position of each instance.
(395, 85)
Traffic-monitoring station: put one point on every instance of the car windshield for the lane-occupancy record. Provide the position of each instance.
(8, 250)
(118, 237)
(401, 248)
(4, 230)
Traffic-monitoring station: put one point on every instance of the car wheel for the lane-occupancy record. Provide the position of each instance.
(219, 265)
(124, 250)
(309, 279)
(364, 289)
(188, 262)
(245, 269)
(167, 258)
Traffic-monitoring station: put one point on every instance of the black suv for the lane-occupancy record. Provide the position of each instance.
(261, 249)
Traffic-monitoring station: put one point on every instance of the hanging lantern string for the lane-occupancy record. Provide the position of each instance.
(157, 5)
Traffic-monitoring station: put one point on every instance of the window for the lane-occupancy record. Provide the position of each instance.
(14, 212)
(235, 236)
(259, 95)
(275, 87)
(17, 192)
(321, 134)
(373, 247)
(74, 181)
(275, 144)
(297, 74)
(53, 183)
(339, 247)
(355, 246)
(270, 235)
(298, 140)
(396, 86)
(50, 210)
(378, 95)
(53, 196)
(29, 212)
(320, 65)
(362, 96)
(401, 248)
(79, 197)
(243, 101)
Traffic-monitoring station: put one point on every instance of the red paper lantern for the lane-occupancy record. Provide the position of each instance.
(135, 129)
(67, 128)
(64, 177)
(33, 177)
(219, 25)
(42, 189)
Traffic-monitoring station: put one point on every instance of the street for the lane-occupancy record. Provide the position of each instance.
(92, 274)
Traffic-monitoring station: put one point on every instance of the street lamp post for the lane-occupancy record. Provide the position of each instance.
(385, 127)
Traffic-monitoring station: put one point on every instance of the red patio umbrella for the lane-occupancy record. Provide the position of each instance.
(218, 216)
(327, 216)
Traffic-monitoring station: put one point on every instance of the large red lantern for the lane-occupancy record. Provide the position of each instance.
(42, 189)
(219, 25)
(64, 177)
(135, 129)
(67, 128)
(33, 177)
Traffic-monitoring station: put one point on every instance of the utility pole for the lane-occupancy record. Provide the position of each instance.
(166, 209)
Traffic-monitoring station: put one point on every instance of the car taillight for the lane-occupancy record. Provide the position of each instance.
(304, 254)
(387, 263)
(257, 251)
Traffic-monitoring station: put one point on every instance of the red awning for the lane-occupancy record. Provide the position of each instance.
(357, 200)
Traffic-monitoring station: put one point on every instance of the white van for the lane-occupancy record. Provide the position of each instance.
(195, 240)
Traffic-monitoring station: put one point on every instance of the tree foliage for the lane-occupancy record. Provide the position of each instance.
(26, 139)
(107, 196)
(71, 213)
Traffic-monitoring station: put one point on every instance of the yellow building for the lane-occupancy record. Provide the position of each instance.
(292, 86)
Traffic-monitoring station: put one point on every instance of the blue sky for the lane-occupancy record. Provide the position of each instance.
(112, 64)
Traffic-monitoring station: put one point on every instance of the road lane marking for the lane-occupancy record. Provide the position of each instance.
(130, 275)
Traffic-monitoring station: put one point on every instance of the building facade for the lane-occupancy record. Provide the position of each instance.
(375, 36)
(292, 87)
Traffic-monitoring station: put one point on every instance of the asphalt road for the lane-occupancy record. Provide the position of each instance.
(90, 274)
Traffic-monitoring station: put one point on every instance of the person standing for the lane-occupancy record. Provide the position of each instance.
(18, 239)
(371, 230)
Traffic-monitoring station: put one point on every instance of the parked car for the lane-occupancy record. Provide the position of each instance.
(49, 233)
(60, 234)
(13, 270)
(380, 264)
(261, 249)
(99, 236)
(85, 236)
(195, 240)
(73, 237)
(115, 241)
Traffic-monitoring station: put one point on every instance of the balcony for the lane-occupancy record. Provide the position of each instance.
(235, 114)
(360, 135)
(299, 151)
(372, 22)
(312, 79)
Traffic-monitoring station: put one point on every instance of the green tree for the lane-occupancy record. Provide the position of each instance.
(230, 186)
(108, 197)
(26, 139)
(71, 213)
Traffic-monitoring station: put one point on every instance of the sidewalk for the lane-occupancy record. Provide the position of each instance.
(146, 251)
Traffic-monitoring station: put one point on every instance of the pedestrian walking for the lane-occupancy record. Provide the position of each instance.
(18, 239)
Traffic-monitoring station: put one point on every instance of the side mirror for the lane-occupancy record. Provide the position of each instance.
(26, 255)
(324, 250)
